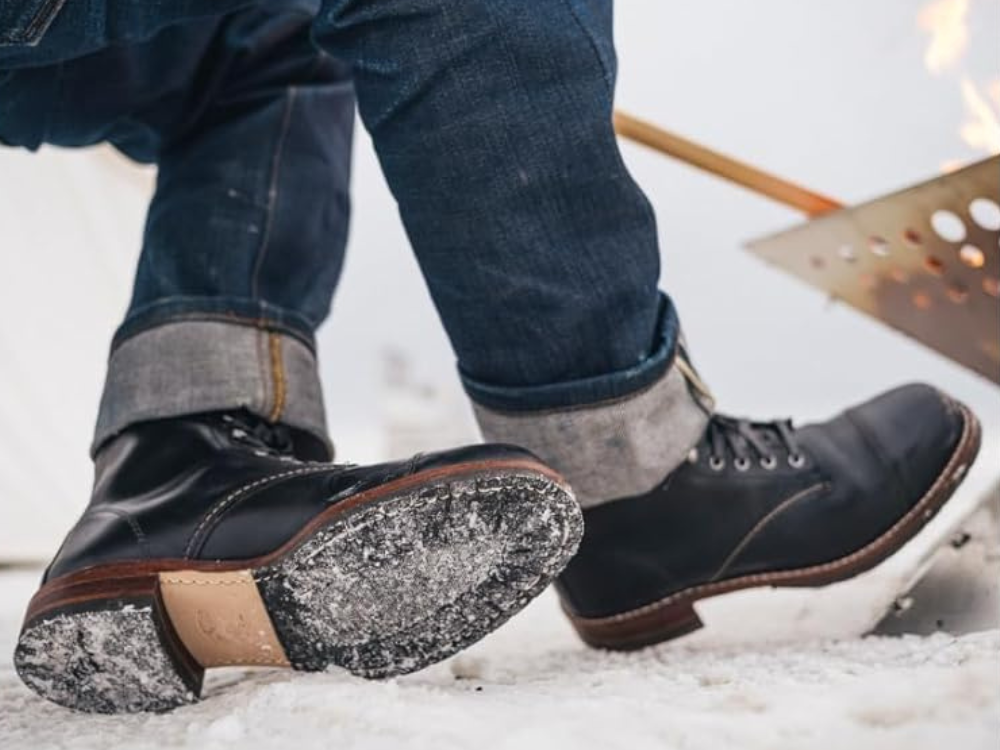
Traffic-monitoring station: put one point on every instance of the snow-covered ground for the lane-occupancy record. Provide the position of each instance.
(533, 685)
(772, 669)
(832, 94)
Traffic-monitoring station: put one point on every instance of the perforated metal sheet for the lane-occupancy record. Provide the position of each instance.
(886, 258)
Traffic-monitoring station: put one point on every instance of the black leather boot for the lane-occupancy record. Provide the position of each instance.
(211, 541)
(766, 504)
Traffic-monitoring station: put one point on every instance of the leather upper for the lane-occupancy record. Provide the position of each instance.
(202, 488)
(859, 473)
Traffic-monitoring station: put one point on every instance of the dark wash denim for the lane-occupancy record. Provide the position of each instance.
(492, 123)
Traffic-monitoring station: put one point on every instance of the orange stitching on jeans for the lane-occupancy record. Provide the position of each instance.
(278, 373)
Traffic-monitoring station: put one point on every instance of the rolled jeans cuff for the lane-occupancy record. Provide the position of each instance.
(193, 366)
(615, 448)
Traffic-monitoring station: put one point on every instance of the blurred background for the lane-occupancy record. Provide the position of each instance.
(853, 99)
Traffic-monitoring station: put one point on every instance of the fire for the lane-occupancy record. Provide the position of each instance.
(947, 23)
(982, 129)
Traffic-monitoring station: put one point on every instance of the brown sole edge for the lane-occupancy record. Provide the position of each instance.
(125, 579)
(675, 616)
(141, 642)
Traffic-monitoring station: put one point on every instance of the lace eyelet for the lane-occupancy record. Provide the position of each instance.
(716, 464)
(742, 464)
(796, 460)
(769, 462)
(238, 434)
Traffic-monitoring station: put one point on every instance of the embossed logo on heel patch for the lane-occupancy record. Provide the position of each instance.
(221, 618)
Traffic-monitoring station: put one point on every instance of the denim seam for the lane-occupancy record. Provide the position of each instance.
(41, 21)
(609, 83)
(278, 376)
(594, 46)
(272, 191)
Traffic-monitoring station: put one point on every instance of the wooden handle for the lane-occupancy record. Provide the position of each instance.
(776, 188)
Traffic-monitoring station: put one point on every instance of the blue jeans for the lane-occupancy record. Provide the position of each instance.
(492, 123)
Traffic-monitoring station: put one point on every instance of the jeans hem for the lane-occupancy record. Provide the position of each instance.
(231, 310)
(183, 367)
(586, 392)
(615, 448)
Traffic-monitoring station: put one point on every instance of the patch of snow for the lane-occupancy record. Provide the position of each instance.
(533, 684)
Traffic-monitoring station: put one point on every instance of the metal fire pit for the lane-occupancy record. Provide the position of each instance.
(924, 260)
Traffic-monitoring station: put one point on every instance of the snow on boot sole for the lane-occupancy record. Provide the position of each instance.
(382, 584)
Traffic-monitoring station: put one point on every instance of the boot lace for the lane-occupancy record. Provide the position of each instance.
(745, 441)
(265, 438)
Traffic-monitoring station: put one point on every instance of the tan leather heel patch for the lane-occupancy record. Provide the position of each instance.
(221, 618)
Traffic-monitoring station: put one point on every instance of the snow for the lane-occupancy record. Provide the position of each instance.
(534, 685)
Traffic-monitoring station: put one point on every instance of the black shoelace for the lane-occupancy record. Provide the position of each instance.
(274, 439)
(745, 441)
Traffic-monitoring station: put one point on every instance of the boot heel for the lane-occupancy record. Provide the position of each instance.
(650, 627)
(110, 655)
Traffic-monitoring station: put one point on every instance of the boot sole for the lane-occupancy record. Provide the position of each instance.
(382, 584)
(675, 616)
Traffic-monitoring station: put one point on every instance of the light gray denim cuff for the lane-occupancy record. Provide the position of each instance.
(614, 449)
(197, 366)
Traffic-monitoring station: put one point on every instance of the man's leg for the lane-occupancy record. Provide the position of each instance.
(213, 537)
(492, 120)
(245, 237)
(251, 129)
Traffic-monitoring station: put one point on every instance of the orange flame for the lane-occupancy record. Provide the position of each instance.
(982, 129)
(947, 23)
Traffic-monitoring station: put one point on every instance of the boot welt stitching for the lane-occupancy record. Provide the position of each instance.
(231, 498)
(237, 495)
